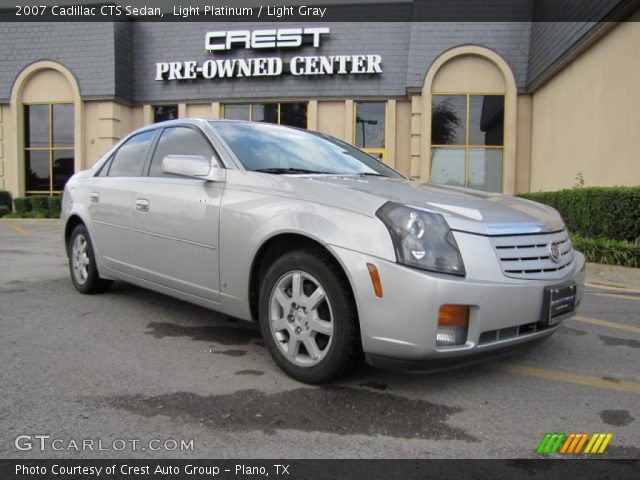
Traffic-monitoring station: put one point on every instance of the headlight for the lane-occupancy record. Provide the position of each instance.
(422, 239)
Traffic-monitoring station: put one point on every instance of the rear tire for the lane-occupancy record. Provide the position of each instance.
(308, 317)
(82, 263)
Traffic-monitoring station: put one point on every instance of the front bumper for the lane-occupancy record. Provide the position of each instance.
(439, 364)
(401, 326)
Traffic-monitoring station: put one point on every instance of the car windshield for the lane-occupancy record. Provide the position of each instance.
(269, 148)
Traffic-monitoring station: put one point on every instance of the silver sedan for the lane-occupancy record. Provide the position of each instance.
(336, 255)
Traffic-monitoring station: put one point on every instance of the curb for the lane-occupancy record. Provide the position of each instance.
(31, 221)
(613, 276)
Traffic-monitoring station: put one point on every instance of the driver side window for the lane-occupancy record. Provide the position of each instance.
(129, 159)
(178, 141)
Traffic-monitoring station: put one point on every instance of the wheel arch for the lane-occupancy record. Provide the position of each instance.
(276, 246)
(72, 222)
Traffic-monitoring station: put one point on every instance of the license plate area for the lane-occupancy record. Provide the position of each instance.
(558, 301)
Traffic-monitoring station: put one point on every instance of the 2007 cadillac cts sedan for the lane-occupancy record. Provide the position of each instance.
(336, 255)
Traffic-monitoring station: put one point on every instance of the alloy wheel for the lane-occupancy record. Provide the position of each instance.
(300, 318)
(80, 260)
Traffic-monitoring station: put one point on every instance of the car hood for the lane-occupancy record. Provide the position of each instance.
(464, 209)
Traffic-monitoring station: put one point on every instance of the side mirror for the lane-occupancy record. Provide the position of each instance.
(193, 166)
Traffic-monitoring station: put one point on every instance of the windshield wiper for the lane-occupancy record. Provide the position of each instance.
(283, 170)
(372, 174)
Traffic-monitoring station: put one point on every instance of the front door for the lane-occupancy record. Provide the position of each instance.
(175, 220)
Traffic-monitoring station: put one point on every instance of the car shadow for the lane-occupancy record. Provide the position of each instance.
(178, 318)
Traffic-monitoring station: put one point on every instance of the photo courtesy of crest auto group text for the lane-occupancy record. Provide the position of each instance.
(375, 239)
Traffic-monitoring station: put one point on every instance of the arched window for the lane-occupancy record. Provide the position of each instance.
(468, 136)
(46, 108)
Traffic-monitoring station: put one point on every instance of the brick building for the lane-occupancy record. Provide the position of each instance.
(501, 106)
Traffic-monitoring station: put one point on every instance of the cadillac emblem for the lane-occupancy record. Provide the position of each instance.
(554, 252)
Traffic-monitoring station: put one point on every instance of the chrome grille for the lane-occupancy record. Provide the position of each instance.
(529, 257)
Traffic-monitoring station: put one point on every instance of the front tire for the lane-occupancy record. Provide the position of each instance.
(82, 263)
(308, 317)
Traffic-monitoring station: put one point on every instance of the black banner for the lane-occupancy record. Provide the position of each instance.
(318, 11)
(318, 469)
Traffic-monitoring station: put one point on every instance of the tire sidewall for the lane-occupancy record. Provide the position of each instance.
(90, 285)
(342, 315)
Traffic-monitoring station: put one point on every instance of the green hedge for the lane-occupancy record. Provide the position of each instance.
(4, 210)
(38, 213)
(597, 212)
(609, 252)
(39, 202)
(5, 199)
(23, 205)
(55, 206)
(37, 206)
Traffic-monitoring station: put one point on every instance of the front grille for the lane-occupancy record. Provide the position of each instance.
(491, 336)
(529, 257)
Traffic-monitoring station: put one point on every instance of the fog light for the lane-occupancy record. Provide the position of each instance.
(453, 323)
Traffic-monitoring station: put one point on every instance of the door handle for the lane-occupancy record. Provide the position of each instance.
(142, 205)
(95, 197)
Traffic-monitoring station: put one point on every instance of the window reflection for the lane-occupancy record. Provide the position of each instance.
(36, 125)
(486, 119)
(485, 169)
(237, 111)
(264, 112)
(261, 147)
(448, 120)
(129, 158)
(62, 168)
(467, 138)
(178, 141)
(447, 166)
(162, 113)
(370, 124)
(293, 114)
(49, 139)
(37, 170)
(62, 125)
(370, 128)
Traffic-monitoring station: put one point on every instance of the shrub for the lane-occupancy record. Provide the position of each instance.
(4, 210)
(39, 202)
(23, 205)
(597, 212)
(610, 252)
(37, 213)
(54, 206)
(5, 199)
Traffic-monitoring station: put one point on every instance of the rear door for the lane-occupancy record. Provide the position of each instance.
(110, 198)
(175, 219)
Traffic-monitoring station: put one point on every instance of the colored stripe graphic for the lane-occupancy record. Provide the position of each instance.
(543, 443)
(572, 443)
(557, 443)
(582, 442)
(567, 442)
(551, 442)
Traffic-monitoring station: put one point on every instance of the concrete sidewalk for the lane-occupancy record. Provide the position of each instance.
(613, 276)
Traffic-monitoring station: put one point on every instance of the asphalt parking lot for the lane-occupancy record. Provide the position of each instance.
(133, 364)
